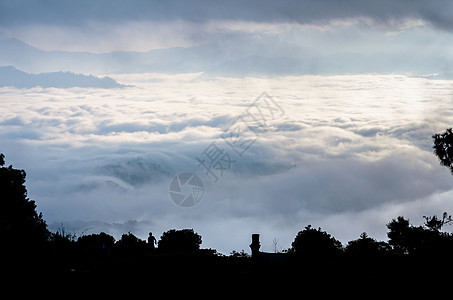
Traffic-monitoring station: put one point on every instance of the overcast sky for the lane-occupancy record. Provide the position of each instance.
(303, 11)
(349, 151)
(144, 25)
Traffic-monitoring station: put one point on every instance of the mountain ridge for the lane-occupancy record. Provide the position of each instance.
(11, 76)
(227, 59)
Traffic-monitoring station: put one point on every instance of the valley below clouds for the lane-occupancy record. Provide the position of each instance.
(348, 154)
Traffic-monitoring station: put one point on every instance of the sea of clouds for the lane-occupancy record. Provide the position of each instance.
(348, 154)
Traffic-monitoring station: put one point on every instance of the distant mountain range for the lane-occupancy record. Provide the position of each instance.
(14, 52)
(248, 58)
(10, 76)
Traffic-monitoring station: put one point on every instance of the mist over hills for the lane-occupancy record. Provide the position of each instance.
(31, 59)
(251, 58)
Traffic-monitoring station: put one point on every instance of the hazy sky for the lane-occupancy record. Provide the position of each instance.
(143, 25)
(348, 150)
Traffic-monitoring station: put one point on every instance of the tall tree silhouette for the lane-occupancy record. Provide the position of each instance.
(21, 227)
(185, 240)
(398, 234)
(443, 148)
(314, 243)
(130, 244)
(96, 242)
(435, 223)
(367, 247)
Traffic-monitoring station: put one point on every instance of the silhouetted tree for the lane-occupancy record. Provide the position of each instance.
(436, 224)
(241, 254)
(315, 243)
(185, 240)
(416, 240)
(443, 148)
(62, 241)
(97, 241)
(398, 235)
(367, 247)
(21, 227)
(130, 244)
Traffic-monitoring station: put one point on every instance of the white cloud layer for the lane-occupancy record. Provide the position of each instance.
(349, 154)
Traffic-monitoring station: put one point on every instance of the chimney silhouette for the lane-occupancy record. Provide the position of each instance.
(255, 245)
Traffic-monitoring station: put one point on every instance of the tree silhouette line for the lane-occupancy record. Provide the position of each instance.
(28, 245)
